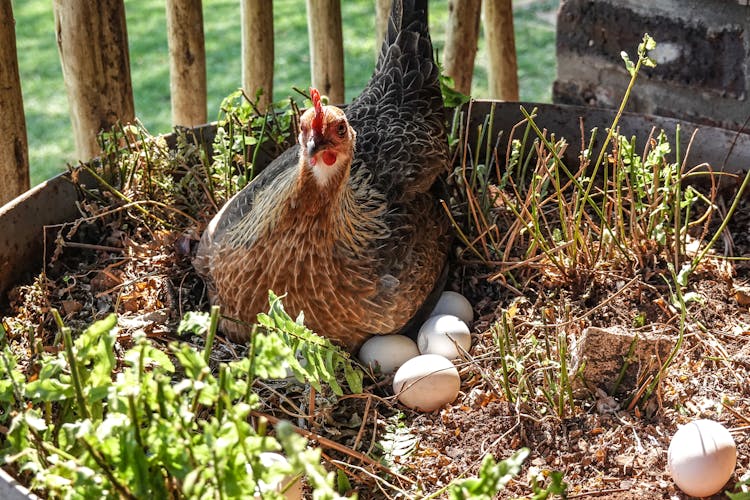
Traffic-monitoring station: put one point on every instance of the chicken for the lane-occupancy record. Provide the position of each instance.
(347, 223)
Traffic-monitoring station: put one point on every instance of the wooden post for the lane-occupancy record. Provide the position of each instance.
(382, 12)
(326, 48)
(187, 62)
(14, 150)
(461, 41)
(257, 50)
(93, 43)
(501, 49)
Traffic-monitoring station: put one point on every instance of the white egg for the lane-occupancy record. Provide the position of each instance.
(427, 382)
(291, 492)
(290, 377)
(440, 334)
(701, 457)
(387, 351)
(456, 304)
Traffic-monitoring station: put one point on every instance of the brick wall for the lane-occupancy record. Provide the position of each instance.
(702, 55)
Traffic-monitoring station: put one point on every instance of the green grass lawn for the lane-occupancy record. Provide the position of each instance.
(51, 143)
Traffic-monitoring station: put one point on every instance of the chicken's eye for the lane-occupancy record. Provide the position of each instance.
(341, 129)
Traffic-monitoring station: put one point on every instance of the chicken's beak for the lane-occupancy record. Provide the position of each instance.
(316, 142)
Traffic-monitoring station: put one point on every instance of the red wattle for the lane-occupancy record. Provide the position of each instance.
(329, 157)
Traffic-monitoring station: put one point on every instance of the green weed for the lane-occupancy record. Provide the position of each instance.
(162, 425)
(629, 209)
(493, 476)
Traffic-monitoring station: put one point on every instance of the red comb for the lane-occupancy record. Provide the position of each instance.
(317, 123)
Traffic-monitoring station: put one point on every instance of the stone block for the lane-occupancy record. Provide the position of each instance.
(702, 55)
(694, 54)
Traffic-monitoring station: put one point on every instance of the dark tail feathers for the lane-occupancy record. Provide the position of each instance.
(406, 15)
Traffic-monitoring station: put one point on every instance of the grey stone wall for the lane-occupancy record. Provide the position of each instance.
(702, 55)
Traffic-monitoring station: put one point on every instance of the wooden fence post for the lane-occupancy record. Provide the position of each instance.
(93, 43)
(501, 49)
(382, 11)
(326, 48)
(461, 41)
(187, 62)
(14, 150)
(257, 50)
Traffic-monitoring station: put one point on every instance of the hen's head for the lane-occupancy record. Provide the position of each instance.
(325, 138)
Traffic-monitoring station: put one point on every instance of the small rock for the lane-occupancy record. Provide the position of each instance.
(602, 352)
(71, 306)
(605, 403)
(742, 294)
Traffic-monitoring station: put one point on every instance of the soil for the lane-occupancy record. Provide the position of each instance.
(606, 446)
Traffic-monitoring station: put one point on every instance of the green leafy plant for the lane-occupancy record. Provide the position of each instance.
(493, 476)
(397, 441)
(162, 425)
(545, 487)
(741, 489)
(319, 360)
(619, 210)
(244, 133)
(452, 98)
